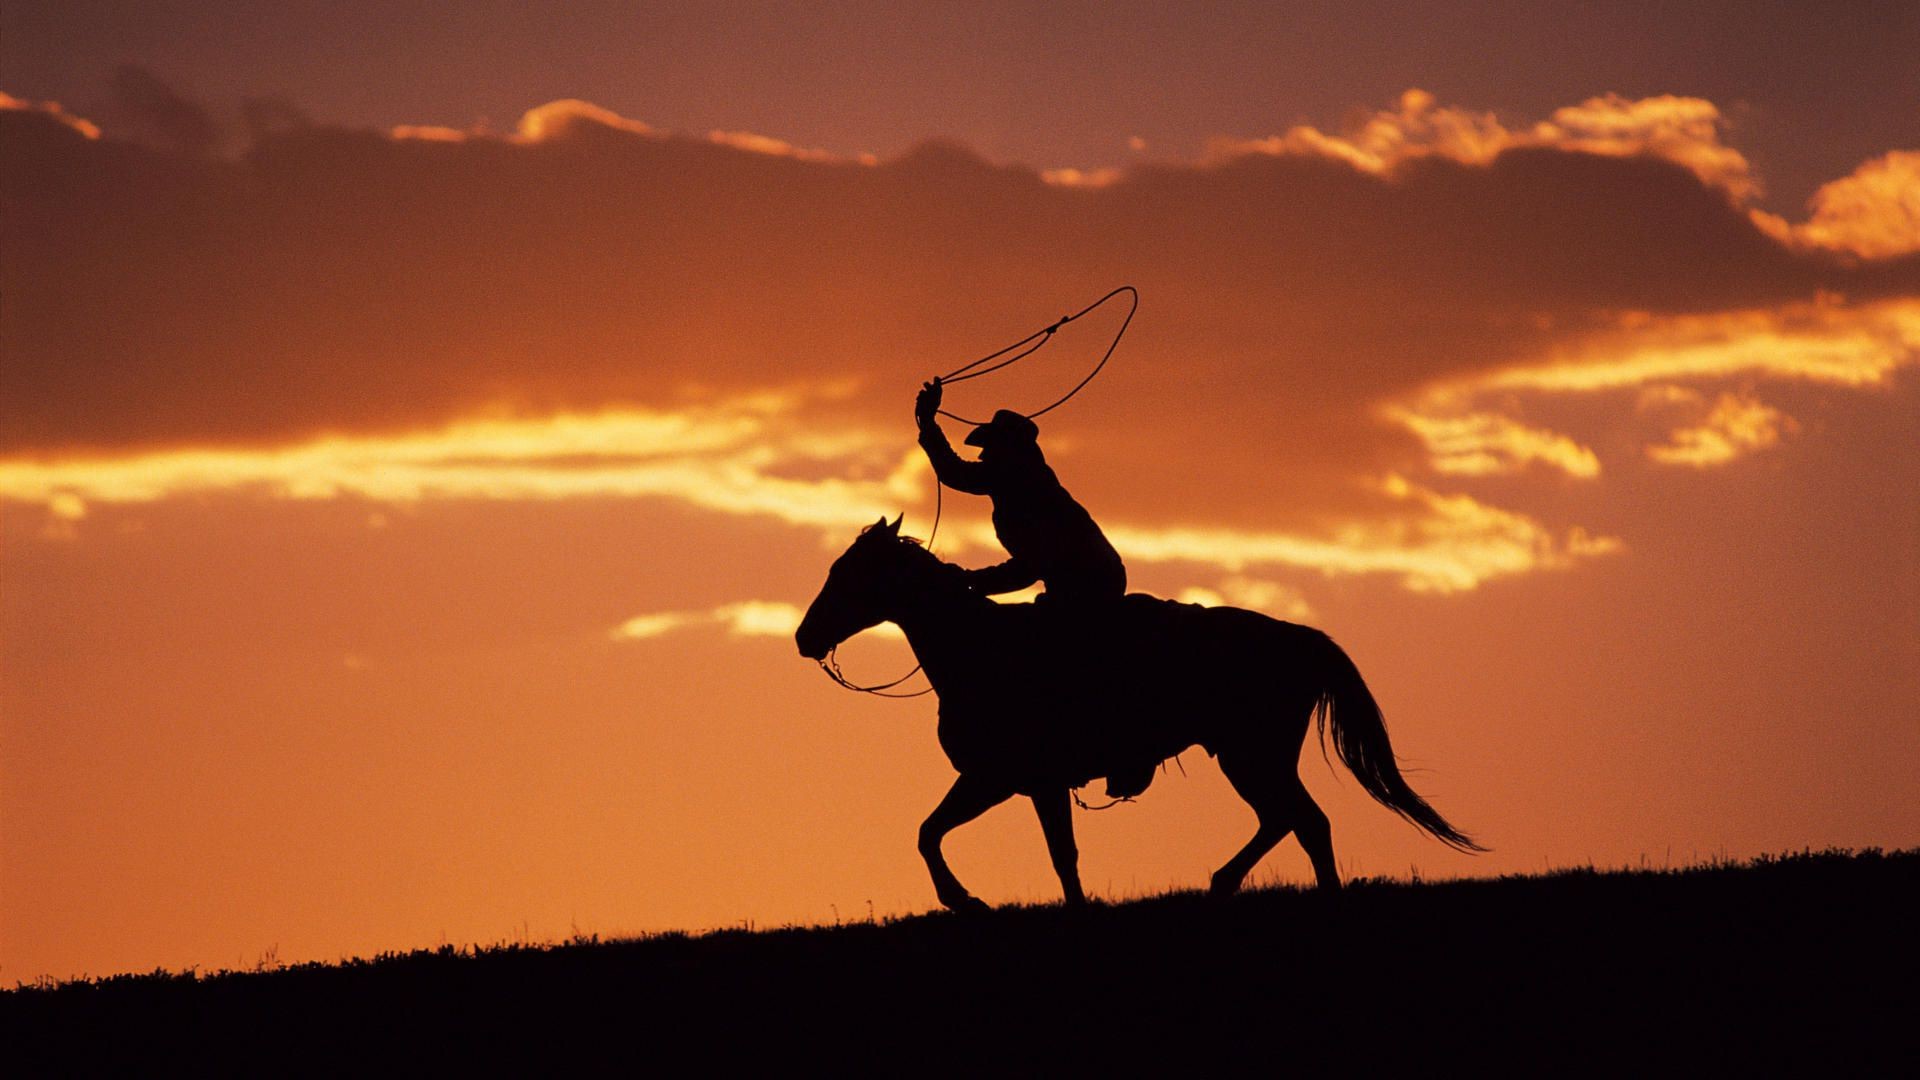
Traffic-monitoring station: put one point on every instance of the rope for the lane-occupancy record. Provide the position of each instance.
(831, 665)
(1044, 335)
(939, 492)
(1082, 803)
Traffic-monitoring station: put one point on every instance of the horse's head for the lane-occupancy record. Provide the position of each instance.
(860, 589)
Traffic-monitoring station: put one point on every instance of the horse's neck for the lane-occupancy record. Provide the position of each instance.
(943, 627)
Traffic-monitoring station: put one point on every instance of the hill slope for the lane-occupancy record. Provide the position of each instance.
(1778, 964)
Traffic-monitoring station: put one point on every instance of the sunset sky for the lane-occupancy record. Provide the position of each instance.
(422, 425)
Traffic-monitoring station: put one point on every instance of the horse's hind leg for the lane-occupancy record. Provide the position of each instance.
(967, 799)
(1056, 821)
(1271, 786)
(1310, 825)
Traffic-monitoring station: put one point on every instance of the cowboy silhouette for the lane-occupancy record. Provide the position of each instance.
(1050, 538)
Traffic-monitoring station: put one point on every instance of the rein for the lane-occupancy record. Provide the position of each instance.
(831, 666)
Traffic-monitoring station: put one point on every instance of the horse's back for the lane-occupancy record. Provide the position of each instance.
(1077, 642)
(1083, 689)
(1160, 621)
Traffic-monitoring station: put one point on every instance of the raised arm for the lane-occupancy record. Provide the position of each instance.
(972, 477)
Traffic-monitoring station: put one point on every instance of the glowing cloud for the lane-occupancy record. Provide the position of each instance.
(1267, 596)
(1827, 342)
(719, 458)
(1738, 424)
(556, 118)
(759, 618)
(751, 457)
(1485, 443)
(1439, 544)
(9, 103)
(742, 619)
(772, 147)
(728, 459)
(1082, 178)
(1874, 213)
(1683, 130)
(642, 627)
(429, 133)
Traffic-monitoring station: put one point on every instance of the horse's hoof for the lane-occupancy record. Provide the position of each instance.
(968, 905)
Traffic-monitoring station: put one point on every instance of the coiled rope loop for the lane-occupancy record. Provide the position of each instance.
(1038, 338)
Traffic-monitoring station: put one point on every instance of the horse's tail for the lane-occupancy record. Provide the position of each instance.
(1360, 736)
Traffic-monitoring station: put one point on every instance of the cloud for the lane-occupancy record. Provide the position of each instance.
(429, 133)
(147, 107)
(1440, 543)
(1736, 425)
(1873, 213)
(570, 116)
(265, 117)
(733, 458)
(1273, 598)
(724, 458)
(86, 129)
(767, 144)
(1082, 178)
(1825, 341)
(1683, 130)
(1667, 359)
(643, 627)
(1337, 334)
(741, 619)
(1486, 443)
(337, 281)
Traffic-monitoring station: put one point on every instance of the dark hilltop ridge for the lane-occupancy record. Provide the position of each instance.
(1782, 965)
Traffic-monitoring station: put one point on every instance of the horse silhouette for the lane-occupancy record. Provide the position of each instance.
(1031, 705)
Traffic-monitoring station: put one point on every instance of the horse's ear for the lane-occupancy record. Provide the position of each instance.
(894, 527)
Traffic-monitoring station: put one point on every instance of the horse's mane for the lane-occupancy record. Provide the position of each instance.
(901, 537)
(920, 551)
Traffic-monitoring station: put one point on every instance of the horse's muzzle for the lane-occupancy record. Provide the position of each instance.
(812, 645)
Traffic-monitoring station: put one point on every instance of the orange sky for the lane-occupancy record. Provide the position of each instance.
(403, 523)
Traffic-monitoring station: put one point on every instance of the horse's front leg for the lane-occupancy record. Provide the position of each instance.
(1056, 821)
(968, 798)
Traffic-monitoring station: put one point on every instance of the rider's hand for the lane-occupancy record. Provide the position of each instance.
(928, 403)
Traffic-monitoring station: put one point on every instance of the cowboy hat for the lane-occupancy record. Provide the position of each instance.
(1007, 428)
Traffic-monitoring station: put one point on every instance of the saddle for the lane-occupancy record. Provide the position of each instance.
(1069, 689)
